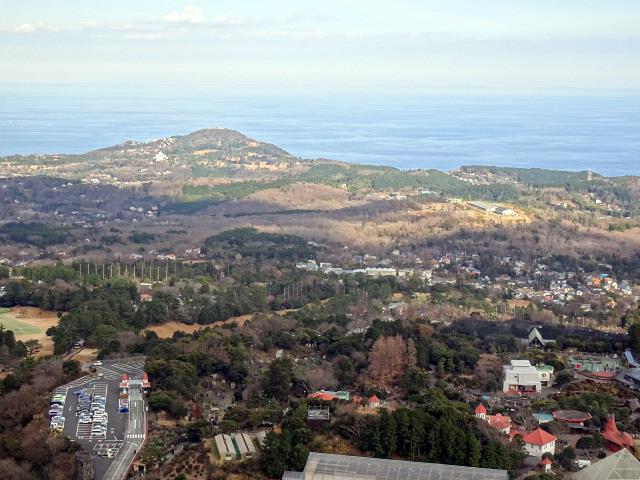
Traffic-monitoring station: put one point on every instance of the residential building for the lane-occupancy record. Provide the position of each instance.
(539, 442)
(500, 422)
(520, 377)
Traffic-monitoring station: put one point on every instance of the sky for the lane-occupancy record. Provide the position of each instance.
(496, 44)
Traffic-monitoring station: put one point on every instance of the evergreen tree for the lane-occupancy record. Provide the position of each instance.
(473, 450)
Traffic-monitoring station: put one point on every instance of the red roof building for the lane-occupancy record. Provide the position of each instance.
(615, 439)
(500, 422)
(539, 442)
(322, 395)
(374, 401)
(546, 464)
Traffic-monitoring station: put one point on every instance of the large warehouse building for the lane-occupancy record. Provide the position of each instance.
(324, 466)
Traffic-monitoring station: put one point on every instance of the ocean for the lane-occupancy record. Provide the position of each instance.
(409, 130)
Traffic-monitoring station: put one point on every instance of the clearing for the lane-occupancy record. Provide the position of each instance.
(166, 330)
(30, 323)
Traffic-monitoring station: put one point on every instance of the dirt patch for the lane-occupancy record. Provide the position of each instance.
(85, 355)
(31, 323)
(166, 330)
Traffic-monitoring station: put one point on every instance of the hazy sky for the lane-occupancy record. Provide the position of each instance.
(328, 43)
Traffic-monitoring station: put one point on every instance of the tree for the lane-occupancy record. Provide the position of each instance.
(473, 449)
(566, 457)
(634, 337)
(277, 379)
(273, 459)
(564, 377)
(160, 401)
(387, 360)
(33, 346)
(71, 368)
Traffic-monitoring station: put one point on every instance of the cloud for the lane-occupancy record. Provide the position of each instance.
(189, 14)
(30, 27)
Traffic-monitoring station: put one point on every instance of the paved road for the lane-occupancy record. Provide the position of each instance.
(133, 437)
(120, 425)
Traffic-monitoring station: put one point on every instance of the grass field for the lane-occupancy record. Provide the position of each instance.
(29, 322)
(19, 328)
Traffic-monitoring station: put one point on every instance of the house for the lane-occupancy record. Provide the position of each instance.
(500, 422)
(520, 377)
(546, 464)
(620, 465)
(539, 442)
(535, 340)
(329, 396)
(616, 440)
(146, 297)
(326, 466)
(374, 402)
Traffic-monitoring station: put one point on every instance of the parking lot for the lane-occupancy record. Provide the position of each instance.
(92, 419)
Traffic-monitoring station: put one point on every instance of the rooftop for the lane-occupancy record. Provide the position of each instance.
(539, 437)
(619, 466)
(323, 466)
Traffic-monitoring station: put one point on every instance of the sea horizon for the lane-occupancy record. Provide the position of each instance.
(424, 129)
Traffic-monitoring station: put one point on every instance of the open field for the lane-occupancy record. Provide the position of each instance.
(30, 323)
(166, 330)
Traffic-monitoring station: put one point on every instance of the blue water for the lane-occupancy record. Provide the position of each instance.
(570, 131)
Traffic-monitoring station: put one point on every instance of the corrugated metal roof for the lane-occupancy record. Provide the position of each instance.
(323, 466)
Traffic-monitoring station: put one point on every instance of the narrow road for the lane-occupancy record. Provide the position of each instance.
(133, 437)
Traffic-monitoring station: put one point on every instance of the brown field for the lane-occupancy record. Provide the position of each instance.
(38, 320)
(166, 330)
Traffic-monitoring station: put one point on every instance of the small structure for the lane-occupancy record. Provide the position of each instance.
(615, 439)
(374, 402)
(225, 447)
(546, 464)
(329, 395)
(621, 465)
(536, 340)
(572, 416)
(539, 442)
(261, 437)
(244, 445)
(543, 417)
(594, 364)
(318, 416)
(481, 411)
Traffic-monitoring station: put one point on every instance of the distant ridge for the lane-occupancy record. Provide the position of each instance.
(222, 140)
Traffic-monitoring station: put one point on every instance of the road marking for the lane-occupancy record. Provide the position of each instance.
(117, 469)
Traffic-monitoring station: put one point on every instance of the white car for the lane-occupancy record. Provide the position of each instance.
(97, 363)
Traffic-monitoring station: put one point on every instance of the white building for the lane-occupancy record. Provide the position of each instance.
(539, 442)
(523, 378)
(244, 444)
(225, 447)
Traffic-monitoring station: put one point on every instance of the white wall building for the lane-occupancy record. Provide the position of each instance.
(522, 377)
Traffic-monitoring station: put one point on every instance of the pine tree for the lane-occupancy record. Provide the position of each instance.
(473, 450)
